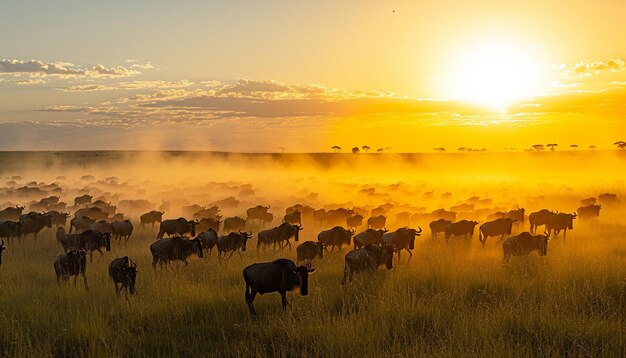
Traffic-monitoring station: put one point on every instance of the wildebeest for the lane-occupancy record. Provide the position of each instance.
(208, 223)
(59, 218)
(338, 217)
(91, 241)
(403, 218)
(81, 224)
(588, 201)
(369, 237)
(83, 200)
(234, 223)
(51, 200)
(208, 239)
(10, 229)
(33, 224)
(309, 250)
(231, 243)
(2, 248)
(438, 226)
(498, 227)
(123, 271)
(71, 263)
(523, 244)
(338, 237)
(560, 221)
(257, 213)
(279, 236)
(378, 211)
(11, 213)
(101, 226)
(607, 199)
(402, 239)
(319, 216)
(443, 214)
(151, 218)
(368, 258)
(180, 227)
(92, 212)
(279, 276)
(462, 227)
(266, 218)
(208, 213)
(353, 222)
(122, 229)
(539, 218)
(589, 212)
(104, 206)
(293, 218)
(174, 248)
(377, 222)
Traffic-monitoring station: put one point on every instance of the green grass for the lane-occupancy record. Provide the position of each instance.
(449, 301)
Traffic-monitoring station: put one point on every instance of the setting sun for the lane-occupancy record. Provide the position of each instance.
(495, 74)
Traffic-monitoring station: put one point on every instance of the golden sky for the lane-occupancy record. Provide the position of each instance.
(256, 76)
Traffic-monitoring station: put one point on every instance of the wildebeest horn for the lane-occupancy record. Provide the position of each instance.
(420, 229)
(307, 264)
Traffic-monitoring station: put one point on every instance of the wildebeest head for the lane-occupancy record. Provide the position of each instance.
(302, 273)
(193, 227)
(387, 256)
(130, 276)
(48, 220)
(297, 234)
(198, 244)
(107, 240)
(571, 221)
(412, 234)
(2, 248)
(245, 236)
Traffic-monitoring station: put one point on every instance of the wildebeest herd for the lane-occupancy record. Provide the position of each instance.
(95, 222)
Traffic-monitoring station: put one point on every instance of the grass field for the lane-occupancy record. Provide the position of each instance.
(450, 300)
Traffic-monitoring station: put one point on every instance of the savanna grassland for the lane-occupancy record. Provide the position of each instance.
(450, 300)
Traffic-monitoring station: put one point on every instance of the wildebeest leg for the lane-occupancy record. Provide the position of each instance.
(185, 261)
(154, 262)
(410, 255)
(239, 252)
(250, 294)
(283, 296)
(117, 290)
(399, 251)
(564, 233)
(85, 281)
(346, 268)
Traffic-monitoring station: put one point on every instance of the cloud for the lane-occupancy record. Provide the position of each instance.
(131, 85)
(143, 66)
(62, 69)
(611, 65)
(30, 81)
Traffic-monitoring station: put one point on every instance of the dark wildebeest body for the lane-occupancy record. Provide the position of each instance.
(369, 237)
(353, 222)
(335, 237)
(231, 243)
(122, 230)
(179, 227)
(11, 214)
(279, 276)
(10, 229)
(279, 236)
(59, 218)
(498, 227)
(377, 222)
(517, 215)
(539, 218)
(174, 248)
(560, 221)
(208, 223)
(151, 218)
(309, 250)
(257, 213)
(402, 239)
(83, 200)
(101, 226)
(91, 241)
(234, 224)
(33, 224)
(523, 244)
(463, 227)
(438, 226)
(589, 212)
(208, 239)
(209, 213)
(588, 201)
(104, 206)
(93, 212)
(368, 258)
(123, 271)
(293, 218)
(81, 224)
(319, 216)
(71, 263)
(338, 217)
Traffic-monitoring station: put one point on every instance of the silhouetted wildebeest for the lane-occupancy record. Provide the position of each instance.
(279, 236)
(309, 250)
(71, 263)
(179, 227)
(257, 213)
(2, 248)
(377, 222)
(227, 203)
(462, 207)
(402, 239)
(319, 216)
(189, 210)
(58, 218)
(123, 271)
(38, 207)
(33, 223)
(462, 227)
(234, 223)
(607, 199)
(403, 218)
(83, 200)
(368, 258)
(231, 243)
(81, 224)
(208, 213)
(560, 221)
(539, 218)
(588, 201)
(498, 227)
(589, 212)
(51, 200)
(293, 218)
(338, 237)
(266, 219)
(174, 248)
(523, 244)
(516, 214)
(369, 237)
(92, 212)
(208, 223)
(151, 218)
(338, 216)
(443, 214)
(60, 207)
(208, 239)
(10, 229)
(122, 230)
(104, 206)
(353, 222)
(11, 213)
(378, 211)
(101, 226)
(438, 226)
(91, 241)
(279, 276)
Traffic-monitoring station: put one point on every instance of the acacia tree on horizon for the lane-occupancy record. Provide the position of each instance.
(365, 148)
(336, 148)
(552, 146)
(620, 144)
(355, 150)
(538, 147)
(574, 146)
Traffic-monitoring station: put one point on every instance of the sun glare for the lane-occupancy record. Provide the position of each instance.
(495, 75)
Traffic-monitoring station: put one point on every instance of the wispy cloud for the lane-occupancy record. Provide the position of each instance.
(131, 85)
(62, 69)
